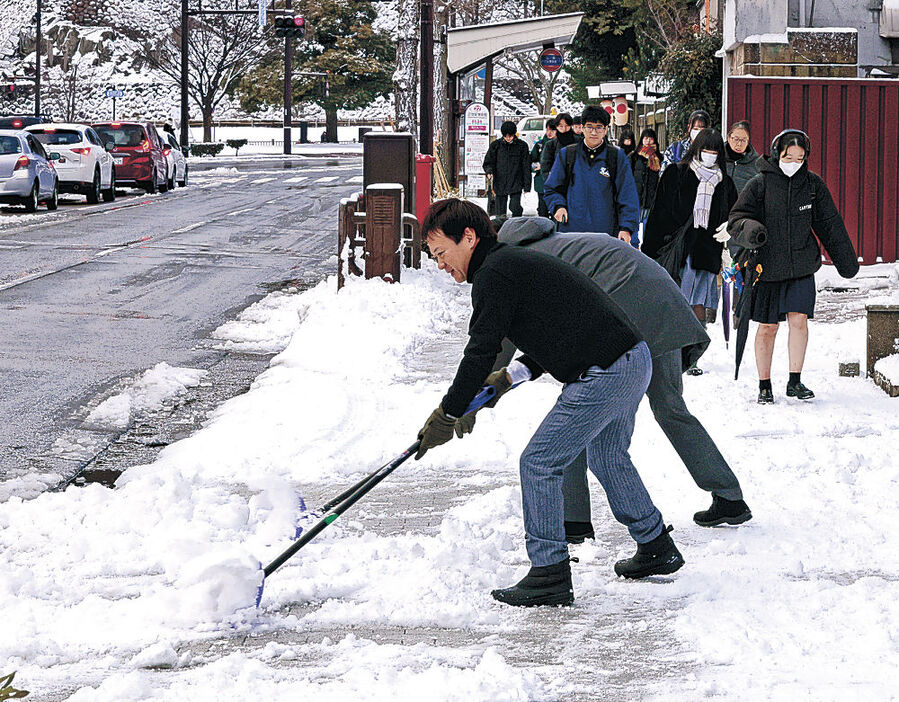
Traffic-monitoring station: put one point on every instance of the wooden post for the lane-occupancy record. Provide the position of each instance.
(383, 231)
(345, 233)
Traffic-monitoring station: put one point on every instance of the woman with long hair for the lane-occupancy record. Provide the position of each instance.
(693, 199)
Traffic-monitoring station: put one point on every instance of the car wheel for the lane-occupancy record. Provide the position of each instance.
(53, 202)
(172, 182)
(183, 183)
(109, 195)
(32, 200)
(151, 186)
(93, 195)
(164, 187)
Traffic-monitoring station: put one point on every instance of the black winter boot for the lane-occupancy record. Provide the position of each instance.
(657, 557)
(543, 585)
(766, 396)
(723, 512)
(576, 532)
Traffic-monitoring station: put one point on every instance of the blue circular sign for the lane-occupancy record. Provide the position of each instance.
(551, 60)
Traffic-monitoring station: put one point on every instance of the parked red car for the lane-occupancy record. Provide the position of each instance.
(137, 151)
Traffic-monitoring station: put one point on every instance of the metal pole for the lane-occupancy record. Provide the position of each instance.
(288, 85)
(113, 109)
(185, 113)
(37, 62)
(426, 109)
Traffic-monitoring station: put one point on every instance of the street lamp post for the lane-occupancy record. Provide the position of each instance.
(288, 84)
(185, 112)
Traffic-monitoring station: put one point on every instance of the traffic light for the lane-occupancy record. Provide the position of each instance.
(292, 27)
(8, 92)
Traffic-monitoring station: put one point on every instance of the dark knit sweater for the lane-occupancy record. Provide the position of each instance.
(560, 319)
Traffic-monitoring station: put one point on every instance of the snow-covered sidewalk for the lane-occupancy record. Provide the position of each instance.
(117, 594)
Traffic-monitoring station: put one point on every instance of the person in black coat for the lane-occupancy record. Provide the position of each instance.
(796, 208)
(565, 136)
(646, 163)
(508, 160)
(693, 200)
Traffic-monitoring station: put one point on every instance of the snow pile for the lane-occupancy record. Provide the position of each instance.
(265, 327)
(889, 368)
(151, 391)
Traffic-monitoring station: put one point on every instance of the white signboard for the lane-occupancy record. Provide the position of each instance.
(263, 12)
(477, 141)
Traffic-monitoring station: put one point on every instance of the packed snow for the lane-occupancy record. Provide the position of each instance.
(101, 588)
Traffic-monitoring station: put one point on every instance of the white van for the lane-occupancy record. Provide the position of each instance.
(532, 128)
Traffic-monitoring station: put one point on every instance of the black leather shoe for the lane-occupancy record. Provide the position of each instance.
(766, 397)
(723, 512)
(657, 557)
(577, 532)
(693, 370)
(543, 585)
(799, 391)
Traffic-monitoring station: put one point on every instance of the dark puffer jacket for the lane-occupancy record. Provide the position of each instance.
(674, 207)
(551, 149)
(742, 167)
(794, 211)
(510, 165)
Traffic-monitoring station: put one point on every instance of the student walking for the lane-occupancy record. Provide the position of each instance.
(572, 330)
(795, 207)
(646, 163)
(693, 200)
(742, 158)
(591, 187)
(508, 161)
(675, 153)
(565, 136)
(539, 175)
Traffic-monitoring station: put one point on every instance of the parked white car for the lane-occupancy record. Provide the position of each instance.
(174, 157)
(84, 165)
(532, 128)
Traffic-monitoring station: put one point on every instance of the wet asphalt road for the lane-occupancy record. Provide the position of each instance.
(93, 295)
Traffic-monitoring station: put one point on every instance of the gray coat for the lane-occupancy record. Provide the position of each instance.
(640, 286)
(742, 169)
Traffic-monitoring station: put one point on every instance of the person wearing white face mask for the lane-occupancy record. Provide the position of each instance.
(698, 121)
(693, 199)
(794, 206)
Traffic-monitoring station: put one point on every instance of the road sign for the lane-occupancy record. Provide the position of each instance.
(551, 60)
(112, 93)
(263, 12)
(477, 140)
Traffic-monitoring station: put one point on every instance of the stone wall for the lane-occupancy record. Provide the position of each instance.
(815, 53)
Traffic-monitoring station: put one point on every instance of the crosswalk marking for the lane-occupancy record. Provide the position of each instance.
(261, 180)
(327, 179)
(296, 179)
(355, 179)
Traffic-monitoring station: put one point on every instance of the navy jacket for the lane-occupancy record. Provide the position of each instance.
(590, 199)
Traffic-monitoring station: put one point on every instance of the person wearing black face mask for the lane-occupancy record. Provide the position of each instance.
(791, 204)
(692, 201)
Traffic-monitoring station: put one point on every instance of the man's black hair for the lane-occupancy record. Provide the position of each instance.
(595, 113)
(550, 124)
(452, 215)
(508, 128)
(707, 140)
(577, 120)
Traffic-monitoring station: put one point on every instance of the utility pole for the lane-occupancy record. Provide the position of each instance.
(288, 84)
(185, 112)
(426, 108)
(37, 62)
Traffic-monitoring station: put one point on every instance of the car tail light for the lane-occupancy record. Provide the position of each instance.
(17, 123)
(166, 152)
(83, 150)
(22, 162)
(144, 145)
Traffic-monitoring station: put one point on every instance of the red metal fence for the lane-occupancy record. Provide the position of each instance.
(854, 128)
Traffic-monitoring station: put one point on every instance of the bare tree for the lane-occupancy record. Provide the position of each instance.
(539, 83)
(220, 49)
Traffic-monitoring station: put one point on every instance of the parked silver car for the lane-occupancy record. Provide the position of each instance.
(27, 175)
(175, 158)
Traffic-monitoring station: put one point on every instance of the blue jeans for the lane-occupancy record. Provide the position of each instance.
(595, 412)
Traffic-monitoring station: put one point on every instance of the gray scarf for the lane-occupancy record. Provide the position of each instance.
(708, 179)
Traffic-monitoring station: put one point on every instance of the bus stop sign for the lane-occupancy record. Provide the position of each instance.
(551, 60)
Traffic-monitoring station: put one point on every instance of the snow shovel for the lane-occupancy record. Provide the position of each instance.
(351, 496)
